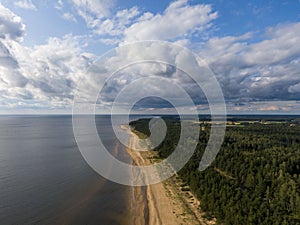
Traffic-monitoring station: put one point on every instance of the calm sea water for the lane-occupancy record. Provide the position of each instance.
(44, 179)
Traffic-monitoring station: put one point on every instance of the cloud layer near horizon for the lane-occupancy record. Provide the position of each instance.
(46, 76)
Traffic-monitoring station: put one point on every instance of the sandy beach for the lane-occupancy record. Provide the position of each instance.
(163, 203)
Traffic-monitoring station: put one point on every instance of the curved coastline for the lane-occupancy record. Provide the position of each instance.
(163, 203)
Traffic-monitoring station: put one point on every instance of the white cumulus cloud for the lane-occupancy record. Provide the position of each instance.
(178, 20)
(11, 25)
(47, 75)
(265, 70)
(25, 4)
(92, 10)
(294, 88)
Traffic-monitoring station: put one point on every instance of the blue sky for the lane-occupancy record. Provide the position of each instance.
(234, 18)
(252, 47)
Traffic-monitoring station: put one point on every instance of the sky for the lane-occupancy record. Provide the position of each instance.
(47, 47)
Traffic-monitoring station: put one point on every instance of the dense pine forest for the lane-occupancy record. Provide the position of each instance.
(255, 178)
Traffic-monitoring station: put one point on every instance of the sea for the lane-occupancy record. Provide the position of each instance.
(45, 180)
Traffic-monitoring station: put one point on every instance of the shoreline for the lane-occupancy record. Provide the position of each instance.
(164, 203)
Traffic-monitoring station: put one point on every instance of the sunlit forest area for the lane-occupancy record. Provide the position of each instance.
(255, 178)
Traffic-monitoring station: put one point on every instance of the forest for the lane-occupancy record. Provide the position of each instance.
(255, 178)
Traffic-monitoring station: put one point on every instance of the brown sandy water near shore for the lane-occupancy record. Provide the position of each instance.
(81, 209)
(164, 203)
